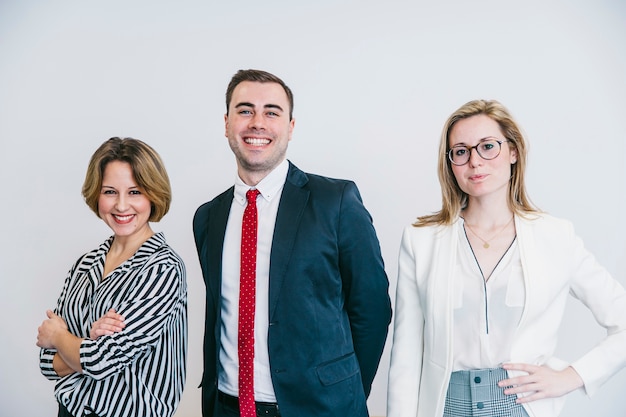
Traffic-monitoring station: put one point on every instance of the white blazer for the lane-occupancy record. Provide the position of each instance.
(554, 264)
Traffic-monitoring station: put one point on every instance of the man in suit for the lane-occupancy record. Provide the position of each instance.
(321, 303)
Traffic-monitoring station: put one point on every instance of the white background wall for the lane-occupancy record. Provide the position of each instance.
(374, 82)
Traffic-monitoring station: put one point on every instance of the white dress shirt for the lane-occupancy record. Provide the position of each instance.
(270, 188)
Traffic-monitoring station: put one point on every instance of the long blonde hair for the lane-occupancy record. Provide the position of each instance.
(453, 198)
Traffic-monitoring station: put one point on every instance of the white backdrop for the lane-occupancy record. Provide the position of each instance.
(374, 82)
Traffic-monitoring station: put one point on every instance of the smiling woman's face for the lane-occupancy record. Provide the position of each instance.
(122, 205)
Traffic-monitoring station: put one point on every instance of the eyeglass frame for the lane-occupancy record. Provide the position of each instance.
(475, 147)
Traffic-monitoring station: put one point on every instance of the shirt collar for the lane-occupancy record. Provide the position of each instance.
(269, 187)
(147, 249)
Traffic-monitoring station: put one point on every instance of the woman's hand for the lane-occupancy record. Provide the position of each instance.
(110, 323)
(50, 330)
(541, 382)
(54, 334)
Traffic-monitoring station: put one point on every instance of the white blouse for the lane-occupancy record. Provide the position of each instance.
(486, 313)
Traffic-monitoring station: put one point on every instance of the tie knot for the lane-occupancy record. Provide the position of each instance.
(251, 195)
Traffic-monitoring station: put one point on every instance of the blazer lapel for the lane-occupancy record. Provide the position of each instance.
(218, 218)
(446, 250)
(293, 201)
(525, 242)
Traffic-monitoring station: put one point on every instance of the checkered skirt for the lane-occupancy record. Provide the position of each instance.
(475, 393)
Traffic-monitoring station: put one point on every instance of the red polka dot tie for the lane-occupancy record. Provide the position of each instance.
(247, 289)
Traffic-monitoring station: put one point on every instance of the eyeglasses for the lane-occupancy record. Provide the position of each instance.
(488, 148)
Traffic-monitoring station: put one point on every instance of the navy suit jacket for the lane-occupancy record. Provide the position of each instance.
(329, 308)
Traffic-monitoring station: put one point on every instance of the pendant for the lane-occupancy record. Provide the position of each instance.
(486, 245)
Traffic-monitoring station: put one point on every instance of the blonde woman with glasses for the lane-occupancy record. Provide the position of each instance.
(482, 286)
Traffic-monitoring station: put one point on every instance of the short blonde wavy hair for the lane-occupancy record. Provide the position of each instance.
(147, 167)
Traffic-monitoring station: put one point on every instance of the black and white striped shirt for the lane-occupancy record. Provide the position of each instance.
(139, 371)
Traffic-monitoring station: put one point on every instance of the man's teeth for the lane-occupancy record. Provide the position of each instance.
(256, 141)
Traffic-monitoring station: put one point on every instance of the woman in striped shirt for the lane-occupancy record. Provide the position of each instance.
(117, 341)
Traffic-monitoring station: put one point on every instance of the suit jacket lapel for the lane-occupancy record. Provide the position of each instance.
(218, 218)
(293, 201)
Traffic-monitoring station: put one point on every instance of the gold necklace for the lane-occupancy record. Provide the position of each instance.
(486, 242)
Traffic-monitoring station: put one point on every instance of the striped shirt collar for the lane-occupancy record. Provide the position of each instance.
(147, 249)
